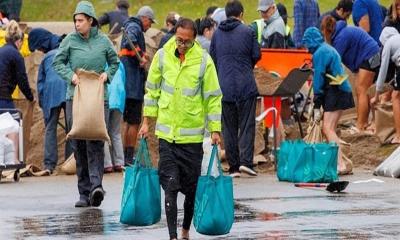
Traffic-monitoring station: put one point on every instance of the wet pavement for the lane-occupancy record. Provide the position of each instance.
(42, 208)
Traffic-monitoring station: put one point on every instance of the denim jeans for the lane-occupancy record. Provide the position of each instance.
(238, 130)
(50, 141)
(89, 157)
(114, 154)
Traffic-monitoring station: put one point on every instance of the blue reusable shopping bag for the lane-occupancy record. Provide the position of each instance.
(141, 197)
(214, 207)
(299, 161)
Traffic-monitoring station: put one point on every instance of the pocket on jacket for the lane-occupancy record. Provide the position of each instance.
(193, 107)
(163, 102)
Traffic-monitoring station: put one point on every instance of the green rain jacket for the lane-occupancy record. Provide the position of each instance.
(92, 54)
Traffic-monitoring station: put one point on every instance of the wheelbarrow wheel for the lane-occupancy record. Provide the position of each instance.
(17, 176)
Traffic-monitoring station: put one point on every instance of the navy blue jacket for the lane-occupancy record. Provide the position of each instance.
(52, 89)
(13, 73)
(235, 51)
(135, 75)
(115, 17)
(353, 44)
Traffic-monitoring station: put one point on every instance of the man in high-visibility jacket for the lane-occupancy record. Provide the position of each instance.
(183, 93)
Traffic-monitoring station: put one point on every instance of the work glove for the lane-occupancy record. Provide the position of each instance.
(317, 115)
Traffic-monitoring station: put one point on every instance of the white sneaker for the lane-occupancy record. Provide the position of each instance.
(248, 170)
(235, 175)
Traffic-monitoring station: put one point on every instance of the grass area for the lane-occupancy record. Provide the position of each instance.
(61, 10)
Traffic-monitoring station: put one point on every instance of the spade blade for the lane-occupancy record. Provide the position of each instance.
(337, 186)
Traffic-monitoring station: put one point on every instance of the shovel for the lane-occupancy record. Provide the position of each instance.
(330, 187)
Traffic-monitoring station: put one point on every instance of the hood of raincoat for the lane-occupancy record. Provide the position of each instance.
(41, 39)
(87, 8)
(387, 33)
(312, 39)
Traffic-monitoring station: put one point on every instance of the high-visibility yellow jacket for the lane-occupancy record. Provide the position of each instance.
(24, 48)
(183, 96)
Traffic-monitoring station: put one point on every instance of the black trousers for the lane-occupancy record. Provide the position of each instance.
(179, 169)
(89, 157)
(238, 130)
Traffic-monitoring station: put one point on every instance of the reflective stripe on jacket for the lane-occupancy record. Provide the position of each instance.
(183, 96)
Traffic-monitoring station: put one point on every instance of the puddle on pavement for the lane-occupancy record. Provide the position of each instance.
(243, 213)
(88, 222)
(96, 222)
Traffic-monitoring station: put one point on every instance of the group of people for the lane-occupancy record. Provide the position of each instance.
(200, 80)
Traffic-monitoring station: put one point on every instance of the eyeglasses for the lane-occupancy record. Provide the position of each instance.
(187, 43)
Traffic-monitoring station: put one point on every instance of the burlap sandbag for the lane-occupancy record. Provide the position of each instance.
(345, 165)
(69, 166)
(314, 133)
(384, 122)
(88, 121)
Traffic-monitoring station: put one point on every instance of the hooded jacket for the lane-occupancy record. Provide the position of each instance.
(50, 86)
(91, 54)
(354, 45)
(273, 35)
(390, 39)
(235, 51)
(325, 60)
(135, 75)
(183, 95)
(41, 39)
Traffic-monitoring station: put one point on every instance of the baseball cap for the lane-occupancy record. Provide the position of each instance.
(263, 5)
(146, 11)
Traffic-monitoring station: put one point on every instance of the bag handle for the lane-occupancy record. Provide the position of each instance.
(143, 155)
(214, 154)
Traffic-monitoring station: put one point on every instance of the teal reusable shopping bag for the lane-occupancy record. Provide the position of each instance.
(214, 206)
(299, 161)
(288, 157)
(318, 164)
(141, 197)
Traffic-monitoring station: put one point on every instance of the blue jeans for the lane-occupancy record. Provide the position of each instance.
(50, 141)
(114, 154)
(89, 157)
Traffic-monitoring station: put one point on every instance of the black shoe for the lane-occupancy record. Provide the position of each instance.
(96, 197)
(82, 204)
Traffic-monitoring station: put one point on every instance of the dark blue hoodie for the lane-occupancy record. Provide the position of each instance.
(353, 44)
(235, 51)
(52, 89)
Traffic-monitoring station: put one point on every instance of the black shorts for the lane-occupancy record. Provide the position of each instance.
(133, 111)
(336, 99)
(372, 64)
(396, 82)
(179, 167)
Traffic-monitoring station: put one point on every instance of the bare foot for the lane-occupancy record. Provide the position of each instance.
(395, 140)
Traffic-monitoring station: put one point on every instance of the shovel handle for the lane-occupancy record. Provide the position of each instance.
(321, 185)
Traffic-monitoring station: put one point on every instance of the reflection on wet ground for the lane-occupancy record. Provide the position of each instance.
(250, 223)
